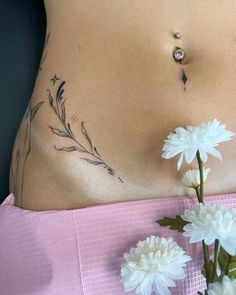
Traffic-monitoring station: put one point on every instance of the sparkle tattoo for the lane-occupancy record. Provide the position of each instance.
(184, 79)
(55, 79)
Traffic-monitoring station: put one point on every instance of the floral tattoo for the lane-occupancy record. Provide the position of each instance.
(91, 154)
(23, 141)
(22, 151)
(44, 52)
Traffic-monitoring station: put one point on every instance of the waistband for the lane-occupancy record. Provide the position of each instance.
(79, 251)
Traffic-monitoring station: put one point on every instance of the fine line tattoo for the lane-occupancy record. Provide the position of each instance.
(184, 78)
(55, 79)
(57, 104)
(44, 52)
(22, 151)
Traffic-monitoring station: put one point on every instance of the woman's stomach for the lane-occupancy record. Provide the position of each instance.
(107, 94)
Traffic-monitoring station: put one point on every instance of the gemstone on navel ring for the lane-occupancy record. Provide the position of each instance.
(178, 54)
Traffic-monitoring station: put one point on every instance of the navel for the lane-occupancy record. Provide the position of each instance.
(179, 57)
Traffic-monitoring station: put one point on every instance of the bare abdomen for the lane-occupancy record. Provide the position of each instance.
(107, 95)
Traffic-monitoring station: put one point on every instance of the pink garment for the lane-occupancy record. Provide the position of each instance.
(79, 251)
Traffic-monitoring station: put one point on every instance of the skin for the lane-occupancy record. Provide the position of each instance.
(123, 84)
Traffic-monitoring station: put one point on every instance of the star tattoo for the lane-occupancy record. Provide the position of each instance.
(55, 79)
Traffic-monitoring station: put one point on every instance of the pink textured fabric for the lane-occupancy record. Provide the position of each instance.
(79, 251)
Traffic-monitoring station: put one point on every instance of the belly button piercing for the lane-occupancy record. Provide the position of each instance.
(178, 54)
(177, 35)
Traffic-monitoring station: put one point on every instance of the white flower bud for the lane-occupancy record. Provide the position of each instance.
(191, 177)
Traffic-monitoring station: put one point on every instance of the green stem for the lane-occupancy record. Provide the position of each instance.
(197, 193)
(216, 253)
(200, 200)
(200, 165)
(206, 262)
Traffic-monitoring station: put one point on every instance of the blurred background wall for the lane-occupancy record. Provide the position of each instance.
(22, 33)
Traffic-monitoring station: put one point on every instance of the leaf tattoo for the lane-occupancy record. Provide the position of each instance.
(60, 92)
(59, 132)
(34, 110)
(45, 53)
(86, 135)
(57, 104)
(23, 149)
(69, 149)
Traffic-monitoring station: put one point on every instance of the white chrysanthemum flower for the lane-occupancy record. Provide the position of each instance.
(227, 287)
(210, 222)
(191, 177)
(203, 138)
(153, 266)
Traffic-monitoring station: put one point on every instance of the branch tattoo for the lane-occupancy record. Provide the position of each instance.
(23, 142)
(44, 52)
(22, 152)
(90, 152)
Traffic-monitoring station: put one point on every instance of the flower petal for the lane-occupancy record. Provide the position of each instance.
(179, 163)
(209, 222)
(186, 141)
(203, 155)
(214, 152)
(154, 263)
(190, 154)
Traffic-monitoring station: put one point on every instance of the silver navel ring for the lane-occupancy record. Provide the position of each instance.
(177, 35)
(178, 54)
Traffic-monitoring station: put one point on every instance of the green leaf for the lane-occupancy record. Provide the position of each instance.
(211, 270)
(232, 268)
(176, 223)
(227, 263)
